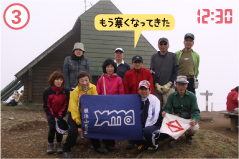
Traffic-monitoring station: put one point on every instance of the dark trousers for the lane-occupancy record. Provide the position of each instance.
(52, 132)
(73, 134)
(96, 143)
(190, 85)
(147, 132)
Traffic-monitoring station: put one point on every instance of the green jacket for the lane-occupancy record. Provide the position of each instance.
(196, 60)
(187, 103)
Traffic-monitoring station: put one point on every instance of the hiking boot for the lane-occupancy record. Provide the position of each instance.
(67, 155)
(59, 149)
(189, 139)
(101, 150)
(50, 147)
(172, 143)
(152, 150)
(141, 148)
(130, 146)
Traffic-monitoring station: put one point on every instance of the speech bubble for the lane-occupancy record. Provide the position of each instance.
(134, 22)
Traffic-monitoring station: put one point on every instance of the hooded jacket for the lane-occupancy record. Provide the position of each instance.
(113, 85)
(232, 100)
(132, 79)
(74, 105)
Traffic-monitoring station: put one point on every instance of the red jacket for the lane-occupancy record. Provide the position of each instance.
(232, 100)
(113, 85)
(55, 101)
(132, 79)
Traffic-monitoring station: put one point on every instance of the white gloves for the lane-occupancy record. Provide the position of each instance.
(166, 87)
(159, 88)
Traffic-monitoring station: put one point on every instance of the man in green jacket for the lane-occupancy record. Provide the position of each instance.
(184, 104)
(188, 61)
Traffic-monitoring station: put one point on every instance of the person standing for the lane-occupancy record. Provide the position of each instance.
(55, 105)
(188, 61)
(164, 68)
(74, 64)
(122, 66)
(109, 84)
(132, 79)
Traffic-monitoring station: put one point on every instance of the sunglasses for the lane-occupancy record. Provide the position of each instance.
(161, 44)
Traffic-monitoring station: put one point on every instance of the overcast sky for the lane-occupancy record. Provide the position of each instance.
(217, 44)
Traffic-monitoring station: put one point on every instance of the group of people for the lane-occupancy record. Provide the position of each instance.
(154, 85)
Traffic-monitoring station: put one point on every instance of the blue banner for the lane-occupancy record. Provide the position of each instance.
(111, 117)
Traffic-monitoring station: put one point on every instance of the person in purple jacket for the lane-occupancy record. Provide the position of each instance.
(55, 105)
(109, 84)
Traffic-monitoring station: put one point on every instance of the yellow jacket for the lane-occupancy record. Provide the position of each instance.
(73, 107)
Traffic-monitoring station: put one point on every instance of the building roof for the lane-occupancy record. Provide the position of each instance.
(100, 45)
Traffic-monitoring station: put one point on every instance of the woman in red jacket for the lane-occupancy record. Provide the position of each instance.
(232, 99)
(55, 105)
(109, 84)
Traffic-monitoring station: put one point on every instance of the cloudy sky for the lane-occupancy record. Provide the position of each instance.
(217, 44)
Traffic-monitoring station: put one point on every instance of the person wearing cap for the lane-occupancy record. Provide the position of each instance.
(184, 104)
(122, 66)
(188, 61)
(132, 79)
(151, 119)
(164, 68)
(74, 64)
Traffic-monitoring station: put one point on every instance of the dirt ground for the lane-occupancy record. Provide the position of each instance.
(25, 136)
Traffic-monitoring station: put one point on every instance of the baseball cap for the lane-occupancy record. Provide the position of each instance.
(137, 58)
(79, 46)
(163, 39)
(189, 35)
(181, 79)
(144, 83)
(120, 49)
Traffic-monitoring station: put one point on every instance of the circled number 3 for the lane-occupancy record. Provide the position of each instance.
(17, 17)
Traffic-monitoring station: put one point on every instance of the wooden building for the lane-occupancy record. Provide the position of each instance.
(99, 45)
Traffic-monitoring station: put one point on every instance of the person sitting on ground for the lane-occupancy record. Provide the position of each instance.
(151, 119)
(232, 99)
(74, 115)
(16, 98)
(55, 104)
(109, 84)
(184, 104)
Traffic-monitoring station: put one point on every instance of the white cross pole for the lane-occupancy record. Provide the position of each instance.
(206, 94)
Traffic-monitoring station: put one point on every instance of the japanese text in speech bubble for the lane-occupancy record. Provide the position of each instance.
(134, 22)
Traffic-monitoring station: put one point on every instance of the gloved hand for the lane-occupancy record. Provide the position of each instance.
(59, 118)
(166, 87)
(53, 122)
(159, 88)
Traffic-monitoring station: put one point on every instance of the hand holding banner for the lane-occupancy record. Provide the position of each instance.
(174, 125)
